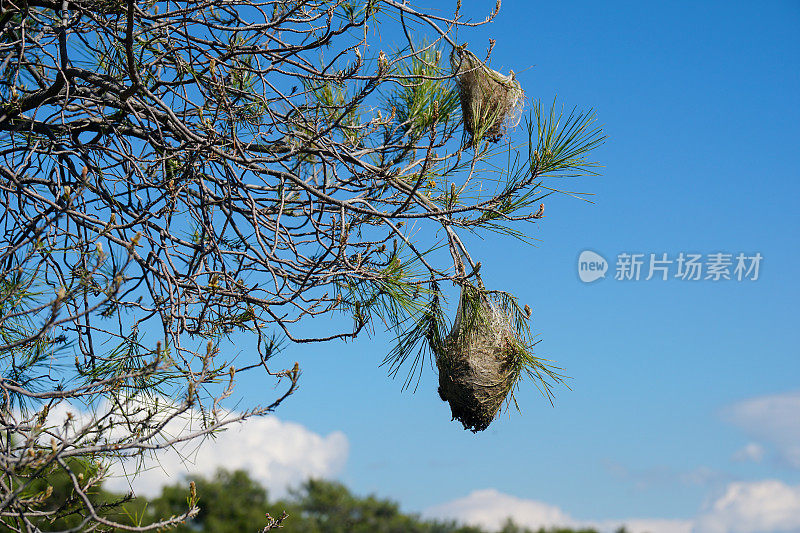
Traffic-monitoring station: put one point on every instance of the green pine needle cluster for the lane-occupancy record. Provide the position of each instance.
(427, 95)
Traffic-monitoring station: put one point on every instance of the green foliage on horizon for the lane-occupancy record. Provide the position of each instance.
(52, 493)
(233, 502)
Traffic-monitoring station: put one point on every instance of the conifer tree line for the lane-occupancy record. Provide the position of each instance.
(233, 502)
(181, 177)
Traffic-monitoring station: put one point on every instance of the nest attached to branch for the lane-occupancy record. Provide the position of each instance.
(480, 360)
(491, 102)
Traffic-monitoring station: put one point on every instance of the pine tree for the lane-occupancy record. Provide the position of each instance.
(175, 174)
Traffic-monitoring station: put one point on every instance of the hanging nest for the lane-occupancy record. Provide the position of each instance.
(491, 103)
(480, 360)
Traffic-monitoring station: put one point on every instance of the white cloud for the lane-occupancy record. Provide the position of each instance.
(490, 508)
(753, 507)
(767, 506)
(277, 454)
(752, 452)
(772, 419)
(650, 525)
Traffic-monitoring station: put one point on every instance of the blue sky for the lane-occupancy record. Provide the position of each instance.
(684, 393)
